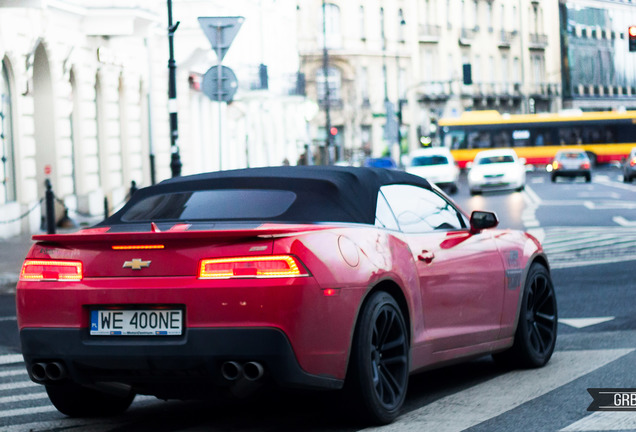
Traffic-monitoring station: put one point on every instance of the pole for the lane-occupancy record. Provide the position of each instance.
(175, 160)
(325, 69)
(399, 99)
(219, 88)
(50, 207)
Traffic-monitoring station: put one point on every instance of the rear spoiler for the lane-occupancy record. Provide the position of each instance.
(102, 234)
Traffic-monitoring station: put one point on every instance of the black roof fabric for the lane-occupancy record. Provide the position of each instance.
(324, 193)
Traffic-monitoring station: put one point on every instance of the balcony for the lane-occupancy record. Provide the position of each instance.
(538, 41)
(544, 90)
(467, 35)
(430, 33)
(435, 91)
(505, 38)
(335, 104)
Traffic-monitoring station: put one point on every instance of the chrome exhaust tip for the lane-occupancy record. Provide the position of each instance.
(55, 371)
(253, 371)
(231, 370)
(38, 371)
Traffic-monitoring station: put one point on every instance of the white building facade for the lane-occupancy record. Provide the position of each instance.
(84, 101)
(413, 54)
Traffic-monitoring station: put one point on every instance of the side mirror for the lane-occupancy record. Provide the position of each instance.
(481, 220)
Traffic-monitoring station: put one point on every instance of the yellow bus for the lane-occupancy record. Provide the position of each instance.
(606, 136)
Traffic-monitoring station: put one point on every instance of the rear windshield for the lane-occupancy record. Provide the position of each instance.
(221, 204)
(496, 159)
(573, 155)
(429, 160)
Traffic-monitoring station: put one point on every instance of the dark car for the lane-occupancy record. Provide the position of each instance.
(629, 167)
(315, 278)
(571, 163)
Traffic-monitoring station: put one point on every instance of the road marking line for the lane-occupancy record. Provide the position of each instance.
(604, 421)
(620, 220)
(27, 411)
(23, 397)
(532, 196)
(584, 322)
(18, 385)
(9, 318)
(585, 263)
(11, 358)
(20, 371)
(484, 401)
(63, 424)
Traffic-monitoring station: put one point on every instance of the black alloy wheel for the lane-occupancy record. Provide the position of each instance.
(380, 360)
(536, 333)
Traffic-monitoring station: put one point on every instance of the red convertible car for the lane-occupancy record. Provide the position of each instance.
(298, 277)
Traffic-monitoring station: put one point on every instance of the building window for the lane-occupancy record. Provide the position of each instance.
(7, 169)
(331, 26)
(362, 23)
(476, 69)
(364, 85)
(504, 69)
(334, 81)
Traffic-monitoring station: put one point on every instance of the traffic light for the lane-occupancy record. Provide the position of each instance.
(333, 131)
(631, 34)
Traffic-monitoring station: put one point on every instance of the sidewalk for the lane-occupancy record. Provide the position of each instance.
(12, 253)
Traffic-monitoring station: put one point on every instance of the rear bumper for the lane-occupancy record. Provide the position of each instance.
(571, 173)
(147, 363)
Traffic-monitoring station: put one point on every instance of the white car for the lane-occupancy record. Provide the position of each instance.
(437, 165)
(496, 170)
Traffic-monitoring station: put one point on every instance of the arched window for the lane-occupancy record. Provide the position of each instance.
(334, 80)
(331, 26)
(7, 164)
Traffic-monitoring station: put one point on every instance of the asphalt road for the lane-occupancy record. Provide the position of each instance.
(587, 233)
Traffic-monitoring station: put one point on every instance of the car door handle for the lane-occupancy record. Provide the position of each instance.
(426, 256)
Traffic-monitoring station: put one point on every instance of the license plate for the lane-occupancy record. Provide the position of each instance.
(149, 322)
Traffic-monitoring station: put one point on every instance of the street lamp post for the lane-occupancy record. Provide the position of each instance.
(175, 160)
(397, 90)
(325, 72)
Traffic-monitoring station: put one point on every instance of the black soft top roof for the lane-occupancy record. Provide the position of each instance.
(324, 193)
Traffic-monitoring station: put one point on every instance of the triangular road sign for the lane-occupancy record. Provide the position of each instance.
(221, 31)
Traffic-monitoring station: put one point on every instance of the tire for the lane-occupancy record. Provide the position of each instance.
(77, 401)
(553, 178)
(379, 365)
(536, 332)
(588, 178)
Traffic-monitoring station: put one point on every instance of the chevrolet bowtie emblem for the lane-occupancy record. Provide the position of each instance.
(136, 264)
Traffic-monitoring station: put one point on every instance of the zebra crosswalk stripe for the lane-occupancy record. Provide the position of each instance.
(482, 402)
(604, 421)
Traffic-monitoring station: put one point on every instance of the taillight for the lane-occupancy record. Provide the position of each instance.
(556, 165)
(585, 165)
(270, 266)
(51, 270)
(632, 162)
